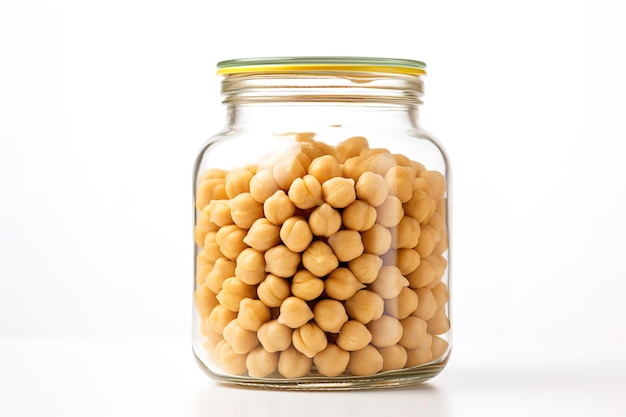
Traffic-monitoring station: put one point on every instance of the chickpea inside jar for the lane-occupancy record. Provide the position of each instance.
(321, 229)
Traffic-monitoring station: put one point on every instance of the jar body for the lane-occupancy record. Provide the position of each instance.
(321, 247)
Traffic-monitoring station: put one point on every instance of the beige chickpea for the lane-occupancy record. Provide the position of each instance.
(309, 339)
(211, 249)
(365, 268)
(408, 260)
(407, 233)
(233, 291)
(400, 182)
(442, 245)
(421, 184)
(346, 244)
(438, 347)
(437, 222)
(418, 356)
(359, 216)
(324, 168)
(207, 331)
(365, 306)
(241, 340)
(252, 314)
(278, 208)
(325, 221)
(262, 235)
(293, 364)
(330, 315)
(366, 361)
(440, 292)
(341, 284)
(220, 317)
(339, 192)
(421, 206)
(403, 305)
(203, 226)
(281, 262)
(427, 306)
(332, 361)
(205, 300)
(220, 212)
(382, 162)
(350, 147)
(230, 361)
(307, 286)
(294, 312)
(404, 161)
(273, 290)
(429, 271)
(355, 167)
(274, 337)
(203, 266)
(222, 269)
(312, 150)
(353, 336)
(417, 167)
(250, 266)
(230, 241)
(414, 333)
(244, 210)
(439, 323)
(394, 357)
(263, 185)
(261, 363)
(210, 189)
(213, 173)
(436, 181)
(237, 182)
(376, 240)
(319, 259)
(389, 282)
(296, 234)
(390, 212)
(427, 241)
(372, 188)
(306, 192)
(287, 170)
(386, 331)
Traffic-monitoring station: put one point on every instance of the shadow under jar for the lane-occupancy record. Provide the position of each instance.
(321, 228)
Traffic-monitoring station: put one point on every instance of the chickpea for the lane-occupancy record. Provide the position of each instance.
(376, 240)
(311, 150)
(245, 210)
(427, 241)
(274, 337)
(252, 314)
(353, 336)
(407, 233)
(366, 361)
(261, 363)
(262, 235)
(241, 340)
(418, 356)
(231, 361)
(230, 241)
(386, 331)
(437, 222)
(436, 181)
(213, 173)
(359, 216)
(211, 335)
(309, 339)
(324, 168)
(307, 286)
(408, 260)
(296, 234)
(382, 162)
(417, 167)
(306, 192)
(420, 184)
(203, 226)
(319, 259)
(350, 147)
(233, 291)
(202, 271)
(428, 271)
(442, 245)
(394, 357)
(440, 292)
(273, 290)
(403, 305)
(400, 182)
(330, 315)
(355, 167)
(210, 189)
(365, 306)
(211, 249)
(439, 323)
(420, 206)
(220, 317)
(427, 306)
(390, 212)
(325, 221)
(339, 192)
(237, 182)
(341, 284)
(287, 170)
(403, 161)
(205, 300)
(250, 266)
(414, 333)
(365, 268)
(263, 185)
(222, 269)
(346, 244)
(278, 208)
(332, 361)
(389, 282)
(438, 347)
(294, 312)
(372, 188)
(293, 364)
(220, 212)
(281, 262)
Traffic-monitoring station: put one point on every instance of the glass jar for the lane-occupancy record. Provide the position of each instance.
(321, 228)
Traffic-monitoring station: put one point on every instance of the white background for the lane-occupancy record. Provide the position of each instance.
(103, 106)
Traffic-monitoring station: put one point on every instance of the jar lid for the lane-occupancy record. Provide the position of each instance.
(321, 64)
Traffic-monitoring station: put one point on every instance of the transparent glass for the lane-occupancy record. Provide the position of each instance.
(321, 235)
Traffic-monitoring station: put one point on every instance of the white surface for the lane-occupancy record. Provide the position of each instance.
(157, 378)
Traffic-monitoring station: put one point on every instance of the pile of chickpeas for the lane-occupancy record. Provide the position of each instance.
(324, 261)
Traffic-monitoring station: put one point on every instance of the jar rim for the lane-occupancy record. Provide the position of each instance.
(321, 64)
